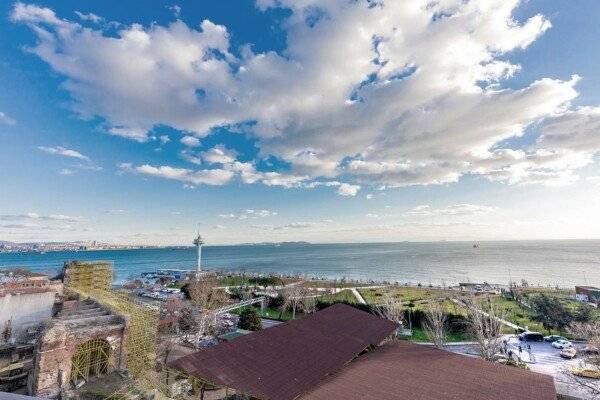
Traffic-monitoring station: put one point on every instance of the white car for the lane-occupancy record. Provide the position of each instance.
(562, 344)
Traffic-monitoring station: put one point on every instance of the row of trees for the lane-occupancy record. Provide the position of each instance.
(554, 314)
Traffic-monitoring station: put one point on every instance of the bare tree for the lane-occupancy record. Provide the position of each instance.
(204, 293)
(486, 327)
(391, 308)
(435, 323)
(297, 297)
(591, 358)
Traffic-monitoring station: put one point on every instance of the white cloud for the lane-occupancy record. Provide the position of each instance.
(116, 211)
(61, 151)
(248, 214)
(201, 177)
(67, 171)
(164, 139)
(346, 189)
(369, 196)
(175, 9)
(454, 210)
(417, 98)
(5, 119)
(218, 155)
(134, 133)
(91, 17)
(190, 141)
(36, 216)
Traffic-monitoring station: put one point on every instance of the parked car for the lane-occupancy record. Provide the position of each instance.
(553, 338)
(568, 353)
(586, 373)
(562, 344)
(531, 337)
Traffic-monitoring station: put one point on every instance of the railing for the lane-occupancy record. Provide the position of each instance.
(244, 303)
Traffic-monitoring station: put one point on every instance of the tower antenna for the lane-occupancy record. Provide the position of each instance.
(198, 242)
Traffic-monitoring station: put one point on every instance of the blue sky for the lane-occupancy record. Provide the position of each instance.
(324, 120)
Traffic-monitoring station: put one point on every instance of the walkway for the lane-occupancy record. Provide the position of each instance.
(503, 321)
(358, 296)
(244, 303)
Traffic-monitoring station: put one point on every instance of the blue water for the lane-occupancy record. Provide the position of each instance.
(563, 263)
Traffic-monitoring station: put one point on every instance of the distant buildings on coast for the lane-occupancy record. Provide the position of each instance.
(42, 247)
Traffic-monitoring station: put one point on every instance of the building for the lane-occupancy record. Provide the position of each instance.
(404, 370)
(27, 300)
(588, 294)
(342, 353)
(83, 340)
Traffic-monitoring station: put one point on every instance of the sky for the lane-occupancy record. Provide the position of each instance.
(286, 120)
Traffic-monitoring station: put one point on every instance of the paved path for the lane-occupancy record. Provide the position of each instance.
(358, 296)
(503, 321)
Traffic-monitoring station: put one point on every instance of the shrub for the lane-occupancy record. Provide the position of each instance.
(250, 320)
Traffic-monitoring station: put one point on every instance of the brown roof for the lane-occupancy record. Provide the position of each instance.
(285, 361)
(402, 370)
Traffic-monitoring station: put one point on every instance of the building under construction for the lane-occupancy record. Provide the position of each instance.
(92, 331)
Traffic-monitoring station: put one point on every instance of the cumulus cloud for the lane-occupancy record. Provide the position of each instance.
(5, 119)
(346, 189)
(218, 155)
(202, 177)
(190, 141)
(417, 98)
(61, 151)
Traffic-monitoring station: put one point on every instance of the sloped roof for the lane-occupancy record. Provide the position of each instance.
(287, 360)
(403, 370)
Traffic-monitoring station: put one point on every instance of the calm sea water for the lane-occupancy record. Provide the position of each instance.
(565, 263)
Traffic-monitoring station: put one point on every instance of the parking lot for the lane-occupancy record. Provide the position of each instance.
(544, 359)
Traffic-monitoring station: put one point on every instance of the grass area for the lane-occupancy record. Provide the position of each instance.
(407, 294)
(271, 313)
(453, 337)
(318, 283)
(343, 296)
(419, 297)
(515, 313)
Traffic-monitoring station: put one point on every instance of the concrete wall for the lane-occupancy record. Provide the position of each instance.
(25, 310)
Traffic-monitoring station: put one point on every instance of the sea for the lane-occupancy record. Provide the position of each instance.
(546, 263)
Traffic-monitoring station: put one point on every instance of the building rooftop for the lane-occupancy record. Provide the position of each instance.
(403, 370)
(285, 361)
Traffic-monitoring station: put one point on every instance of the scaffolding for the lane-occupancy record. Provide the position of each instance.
(90, 359)
(94, 280)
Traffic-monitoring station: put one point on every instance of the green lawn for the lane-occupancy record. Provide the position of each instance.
(343, 296)
(420, 336)
(271, 313)
(515, 313)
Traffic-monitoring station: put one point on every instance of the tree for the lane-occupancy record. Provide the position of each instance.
(486, 327)
(584, 313)
(250, 320)
(204, 293)
(297, 297)
(391, 308)
(434, 323)
(551, 312)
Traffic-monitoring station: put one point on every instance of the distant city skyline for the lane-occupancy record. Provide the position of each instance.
(320, 121)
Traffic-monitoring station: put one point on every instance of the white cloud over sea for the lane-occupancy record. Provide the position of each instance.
(416, 99)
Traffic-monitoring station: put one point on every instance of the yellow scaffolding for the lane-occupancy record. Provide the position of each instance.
(94, 280)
